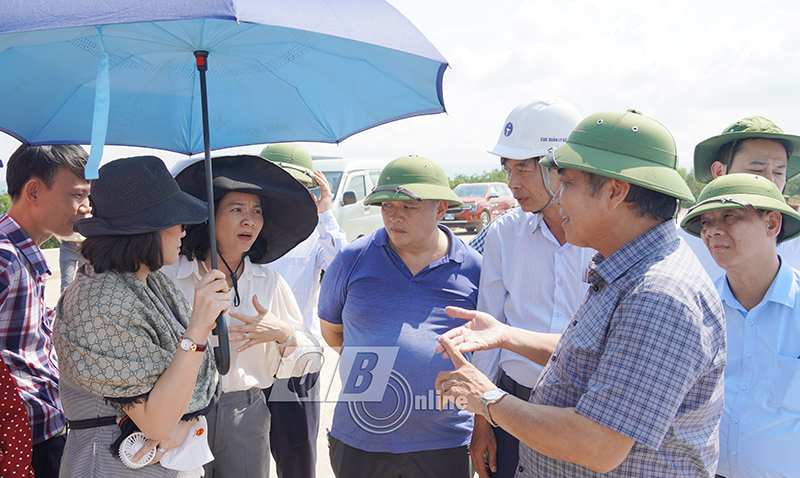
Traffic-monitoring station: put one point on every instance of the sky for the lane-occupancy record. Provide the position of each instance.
(695, 66)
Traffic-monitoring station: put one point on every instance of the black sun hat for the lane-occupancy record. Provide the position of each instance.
(290, 214)
(137, 195)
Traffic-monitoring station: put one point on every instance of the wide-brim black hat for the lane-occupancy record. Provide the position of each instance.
(138, 195)
(289, 211)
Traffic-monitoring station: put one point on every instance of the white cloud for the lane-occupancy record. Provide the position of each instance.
(694, 66)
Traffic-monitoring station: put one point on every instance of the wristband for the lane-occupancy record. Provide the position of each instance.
(288, 341)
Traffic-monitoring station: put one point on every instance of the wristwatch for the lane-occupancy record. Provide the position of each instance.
(492, 396)
(187, 345)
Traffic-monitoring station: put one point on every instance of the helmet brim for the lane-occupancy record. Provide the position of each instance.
(647, 174)
(705, 153)
(791, 219)
(428, 192)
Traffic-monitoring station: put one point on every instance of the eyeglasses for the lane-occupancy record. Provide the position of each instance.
(398, 189)
(744, 204)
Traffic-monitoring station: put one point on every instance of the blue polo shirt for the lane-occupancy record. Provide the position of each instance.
(382, 307)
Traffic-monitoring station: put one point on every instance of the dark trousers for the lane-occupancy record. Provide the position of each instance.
(295, 427)
(507, 444)
(349, 462)
(46, 458)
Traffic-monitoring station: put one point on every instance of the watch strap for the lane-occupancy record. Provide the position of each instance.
(194, 347)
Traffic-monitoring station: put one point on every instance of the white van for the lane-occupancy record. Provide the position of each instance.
(351, 181)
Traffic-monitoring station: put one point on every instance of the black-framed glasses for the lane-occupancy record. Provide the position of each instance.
(398, 189)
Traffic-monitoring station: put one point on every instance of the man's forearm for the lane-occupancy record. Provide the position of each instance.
(562, 433)
(535, 346)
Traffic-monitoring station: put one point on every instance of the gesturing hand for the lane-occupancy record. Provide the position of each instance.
(481, 332)
(260, 328)
(463, 386)
(325, 196)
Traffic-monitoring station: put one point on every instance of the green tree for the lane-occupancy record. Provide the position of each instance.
(496, 175)
(5, 203)
(694, 186)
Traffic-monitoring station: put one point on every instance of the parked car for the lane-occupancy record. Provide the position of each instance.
(482, 203)
(351, 181)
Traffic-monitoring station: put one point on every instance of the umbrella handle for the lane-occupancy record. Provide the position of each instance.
(222, 354)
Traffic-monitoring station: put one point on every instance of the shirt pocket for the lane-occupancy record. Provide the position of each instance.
(785, 383)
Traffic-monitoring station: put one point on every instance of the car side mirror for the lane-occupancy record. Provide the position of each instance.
(349, 198)
(494, 195)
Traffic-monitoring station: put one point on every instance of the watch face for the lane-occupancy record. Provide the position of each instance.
(493, 394)
(185, 344)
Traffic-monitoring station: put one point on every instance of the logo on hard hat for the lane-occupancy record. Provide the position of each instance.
(508, 129)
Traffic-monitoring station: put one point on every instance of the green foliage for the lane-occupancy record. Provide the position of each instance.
(5, 203)
(792, 187)
(694, 186)
(496, 175)
(50, 243)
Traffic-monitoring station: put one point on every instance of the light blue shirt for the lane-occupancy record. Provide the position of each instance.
(302, 266)
(529, 281)
(760, 429)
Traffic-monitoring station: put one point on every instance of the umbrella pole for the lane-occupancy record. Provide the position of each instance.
(222, 353)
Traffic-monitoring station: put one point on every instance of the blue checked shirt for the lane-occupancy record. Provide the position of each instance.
(644, 356)
(26, 329)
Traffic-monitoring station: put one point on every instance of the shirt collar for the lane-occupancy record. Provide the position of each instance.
(187, 268)
(780, 291)
(612, 268)
(456, 253)
(24, 243)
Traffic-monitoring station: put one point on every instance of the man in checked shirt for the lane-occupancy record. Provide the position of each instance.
(633, 386)
(48, 194)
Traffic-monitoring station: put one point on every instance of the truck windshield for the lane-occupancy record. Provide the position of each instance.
(470, 190)
(333, 178)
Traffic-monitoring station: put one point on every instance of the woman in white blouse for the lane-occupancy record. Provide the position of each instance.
(261, 213)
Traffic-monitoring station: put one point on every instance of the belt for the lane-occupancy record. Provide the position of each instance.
(91, 423)
(519, 391)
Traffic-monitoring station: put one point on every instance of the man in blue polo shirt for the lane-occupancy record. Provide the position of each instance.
(382, 300)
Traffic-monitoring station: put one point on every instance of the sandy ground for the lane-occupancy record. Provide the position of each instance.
(329, 387)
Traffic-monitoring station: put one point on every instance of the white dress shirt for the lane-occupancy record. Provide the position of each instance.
(528, 281)
(259, 365)
(301, 267)
(760, 429)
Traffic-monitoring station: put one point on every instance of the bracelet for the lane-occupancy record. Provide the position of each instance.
(288, 341)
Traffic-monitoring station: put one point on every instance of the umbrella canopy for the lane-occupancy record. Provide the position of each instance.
(279, 70)
(195, 75)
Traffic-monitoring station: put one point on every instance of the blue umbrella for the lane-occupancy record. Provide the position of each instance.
(133, 73)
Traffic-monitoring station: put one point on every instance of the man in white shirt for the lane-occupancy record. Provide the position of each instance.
(753, 145)
(739, 218)
(295, 425)
(531, 277)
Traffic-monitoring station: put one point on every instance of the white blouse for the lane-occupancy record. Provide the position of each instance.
(259, 365)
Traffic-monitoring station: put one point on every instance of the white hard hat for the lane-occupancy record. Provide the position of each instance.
(535, 126)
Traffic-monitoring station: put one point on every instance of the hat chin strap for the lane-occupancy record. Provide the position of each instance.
(546, 180)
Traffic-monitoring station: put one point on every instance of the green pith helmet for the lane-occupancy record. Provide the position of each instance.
(412, 178)
(744, 191)
(623, 145)
(294, 159)
(705, 153)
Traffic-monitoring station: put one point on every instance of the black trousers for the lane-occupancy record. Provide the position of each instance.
(295, 428)
(349, 462)
(46, 457)
(507, 444)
